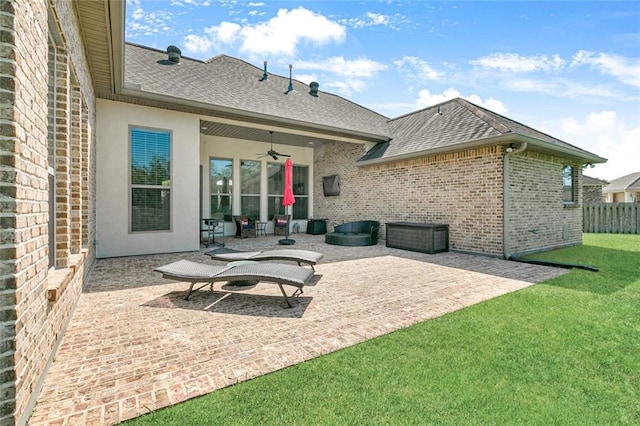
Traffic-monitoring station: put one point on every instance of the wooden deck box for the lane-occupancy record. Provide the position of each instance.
(422, 237)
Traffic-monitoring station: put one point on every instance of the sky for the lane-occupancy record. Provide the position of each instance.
(568, 68)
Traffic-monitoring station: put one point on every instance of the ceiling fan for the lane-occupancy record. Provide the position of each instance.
(273, 154)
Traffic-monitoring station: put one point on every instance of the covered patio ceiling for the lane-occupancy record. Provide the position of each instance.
(261, 134)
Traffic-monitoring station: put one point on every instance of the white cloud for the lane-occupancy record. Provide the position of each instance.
(190, 3)
(360, 67)
(306, 78)
(347, 86)
(512, 62)
(604, 134)
(426, 99)
(558, 87)
(416, 69)
(340, 75)
(140, 23)
(626, 70)
(370, 19)
(603, 120)
(378, 19)
(226, 32)
(197, 44)
(280, 35)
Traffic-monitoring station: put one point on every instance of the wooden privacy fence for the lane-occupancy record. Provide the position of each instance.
(611, 218)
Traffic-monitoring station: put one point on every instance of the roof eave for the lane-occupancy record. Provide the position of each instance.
(349, 135)
(116, 20)
(542, 146)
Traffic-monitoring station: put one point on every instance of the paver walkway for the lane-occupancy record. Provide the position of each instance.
(134, 345)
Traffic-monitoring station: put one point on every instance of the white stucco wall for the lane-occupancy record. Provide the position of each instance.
(112, 204)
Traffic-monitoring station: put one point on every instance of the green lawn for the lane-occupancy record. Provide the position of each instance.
(564, 352)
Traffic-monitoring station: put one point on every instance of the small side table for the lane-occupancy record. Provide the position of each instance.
(212, 227)
(261, 229)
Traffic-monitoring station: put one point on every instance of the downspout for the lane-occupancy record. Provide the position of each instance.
(506, 196)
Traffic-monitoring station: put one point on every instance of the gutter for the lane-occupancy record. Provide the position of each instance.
(506, 197)
(507, 138)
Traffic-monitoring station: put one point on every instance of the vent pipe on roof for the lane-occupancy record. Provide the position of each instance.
(313, 88)
(265, 76)
(290, 88)
(174, 54)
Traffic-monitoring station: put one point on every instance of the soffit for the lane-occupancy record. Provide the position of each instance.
(102, 29)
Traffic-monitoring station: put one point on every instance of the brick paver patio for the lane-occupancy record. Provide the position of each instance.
(134, 345)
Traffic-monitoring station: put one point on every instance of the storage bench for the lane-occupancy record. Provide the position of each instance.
(422, 237)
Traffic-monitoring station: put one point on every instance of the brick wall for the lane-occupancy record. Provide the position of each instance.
(31, 324)
(461, 189)
(24, 193)
(464, 190)
(592, 194)
(538, 218)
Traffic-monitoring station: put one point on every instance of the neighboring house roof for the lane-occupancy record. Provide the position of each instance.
(591, 181)
(459, 124)
(234, 86)
(630, 182)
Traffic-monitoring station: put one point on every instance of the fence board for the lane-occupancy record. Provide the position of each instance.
(611, 218)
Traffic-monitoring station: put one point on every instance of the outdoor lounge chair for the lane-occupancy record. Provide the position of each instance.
(300, 256)
(195, 273)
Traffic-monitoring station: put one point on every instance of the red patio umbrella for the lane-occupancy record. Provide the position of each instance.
(288, 198)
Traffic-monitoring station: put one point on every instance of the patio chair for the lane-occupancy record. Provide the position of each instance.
(300, 256)
(200, 273)
(245, 226)
(281, 225)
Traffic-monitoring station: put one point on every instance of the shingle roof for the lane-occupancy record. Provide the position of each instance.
(451, 123)
(231, 83)
(624, 183)
(591, 181)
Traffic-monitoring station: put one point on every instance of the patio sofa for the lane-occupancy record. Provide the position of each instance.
(359, 233)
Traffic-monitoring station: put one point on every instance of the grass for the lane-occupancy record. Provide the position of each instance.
(566, 351)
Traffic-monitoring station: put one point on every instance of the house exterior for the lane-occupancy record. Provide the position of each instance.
(625, 189)
(592, 189)
(113, 149)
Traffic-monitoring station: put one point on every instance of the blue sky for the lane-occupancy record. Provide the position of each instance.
(569, 68)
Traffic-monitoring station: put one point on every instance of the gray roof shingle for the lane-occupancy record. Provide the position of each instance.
(452, 123)
(591, 181)
(230, 83)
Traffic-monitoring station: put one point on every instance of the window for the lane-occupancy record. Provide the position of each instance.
(220, 187)
(275, 187)
(150, 180)
(569, 189)
(250, 189)
(300, 185)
